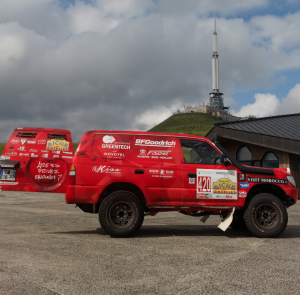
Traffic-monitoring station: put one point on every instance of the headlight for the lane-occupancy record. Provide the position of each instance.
(291, 180)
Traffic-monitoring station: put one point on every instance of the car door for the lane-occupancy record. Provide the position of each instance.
(206, 181)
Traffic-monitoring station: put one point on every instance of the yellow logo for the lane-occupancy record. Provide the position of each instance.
(224, 186)
(57, 144)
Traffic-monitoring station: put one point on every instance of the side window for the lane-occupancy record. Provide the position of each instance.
(269, 160)
(244, 156)
(199, 152)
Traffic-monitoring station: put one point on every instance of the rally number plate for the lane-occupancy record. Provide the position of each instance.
(8, 174)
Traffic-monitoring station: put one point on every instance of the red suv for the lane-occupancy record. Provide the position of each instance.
(125, 175)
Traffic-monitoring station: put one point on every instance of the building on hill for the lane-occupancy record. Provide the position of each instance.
(222, 114)
(216, 101)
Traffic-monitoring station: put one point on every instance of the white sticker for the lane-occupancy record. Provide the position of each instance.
(191, 180)
(216, 184)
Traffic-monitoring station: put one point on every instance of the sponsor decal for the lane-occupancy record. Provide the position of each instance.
(11, 148)
(45, 155)
(159, 153)
(67, 157)
(228, 197)
(106, 169)
(31, 141)
(25, 155)
(242, 194)
(56, 144)
(224, 186)
(267, 180)
(191, 180)
(15, 141)
(8, 183)
(208, 196)
(200, 196)
(108, 139)
(23, 141)
(148, 142)
(21, 148)
(244, 184)
(70, 153)
(119, 146)
(4, 158)
(42, 142)
(56, 152)
(11, 154)
(45, 151)
(33, 156)
(33, 151)
(114, 155)
(242, 177)
(55, 156)
(143, 152)
(162, 173)
(229, 172)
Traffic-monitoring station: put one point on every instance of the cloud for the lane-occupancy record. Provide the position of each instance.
(128, 64)
(266, 105)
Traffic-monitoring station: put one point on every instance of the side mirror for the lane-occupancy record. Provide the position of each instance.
(223, 159)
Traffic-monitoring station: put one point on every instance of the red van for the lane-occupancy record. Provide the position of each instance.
(125, 175)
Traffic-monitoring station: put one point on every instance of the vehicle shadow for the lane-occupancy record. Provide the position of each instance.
(156, 231)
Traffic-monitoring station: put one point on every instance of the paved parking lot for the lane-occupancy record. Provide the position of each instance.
(48, 247)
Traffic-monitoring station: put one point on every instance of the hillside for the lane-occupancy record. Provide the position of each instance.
(190, 123)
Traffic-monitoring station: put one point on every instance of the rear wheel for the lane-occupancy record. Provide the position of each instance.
(121, 214)
(266, 216)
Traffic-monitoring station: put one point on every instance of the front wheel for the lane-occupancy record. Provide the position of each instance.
(266, 216)
(121, 214)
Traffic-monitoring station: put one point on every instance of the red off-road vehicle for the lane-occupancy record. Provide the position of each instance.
(126, 175)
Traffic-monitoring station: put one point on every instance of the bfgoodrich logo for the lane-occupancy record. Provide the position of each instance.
(108, 139)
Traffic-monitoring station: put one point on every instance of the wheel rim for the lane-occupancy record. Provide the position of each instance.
(266, 216)
(121, 214)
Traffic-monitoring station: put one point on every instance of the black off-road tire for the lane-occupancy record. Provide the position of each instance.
(238, 223)
(266, 216)
(121, 214)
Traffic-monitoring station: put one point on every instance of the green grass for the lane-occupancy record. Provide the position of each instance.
(2, 146)
(191, 123)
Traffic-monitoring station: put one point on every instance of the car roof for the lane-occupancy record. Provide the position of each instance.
(180, 135)
(20, 129)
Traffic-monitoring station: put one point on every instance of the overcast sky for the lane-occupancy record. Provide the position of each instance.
(129, 64)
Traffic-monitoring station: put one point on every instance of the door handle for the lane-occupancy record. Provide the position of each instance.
(191, 175)
(139, 171)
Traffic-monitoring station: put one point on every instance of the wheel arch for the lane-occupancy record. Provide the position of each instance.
(127, 186)
(273, 189)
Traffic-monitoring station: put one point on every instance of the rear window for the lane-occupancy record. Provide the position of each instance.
(113, 146)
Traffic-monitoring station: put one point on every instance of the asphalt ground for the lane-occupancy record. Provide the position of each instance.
(48, 247)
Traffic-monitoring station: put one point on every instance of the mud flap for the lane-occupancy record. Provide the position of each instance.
(227, 221)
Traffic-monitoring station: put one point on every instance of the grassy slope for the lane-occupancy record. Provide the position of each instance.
(192, 123)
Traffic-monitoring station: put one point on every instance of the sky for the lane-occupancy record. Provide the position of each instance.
(129, 64)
